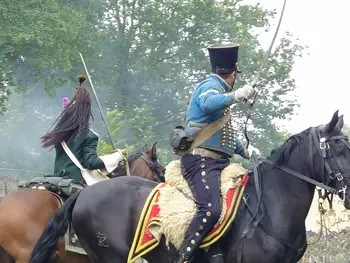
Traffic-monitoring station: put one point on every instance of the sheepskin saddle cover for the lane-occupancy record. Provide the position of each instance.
(177, 206)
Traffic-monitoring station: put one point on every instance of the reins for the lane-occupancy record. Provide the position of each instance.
(322, 147)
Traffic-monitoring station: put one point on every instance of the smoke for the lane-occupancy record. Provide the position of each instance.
(29, 116)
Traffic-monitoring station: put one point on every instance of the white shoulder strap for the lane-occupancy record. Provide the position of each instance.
(71, 155)
(94, 132)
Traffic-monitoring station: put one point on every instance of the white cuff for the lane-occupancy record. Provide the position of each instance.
(111, 161)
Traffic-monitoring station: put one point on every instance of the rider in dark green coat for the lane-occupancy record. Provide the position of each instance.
(72, 126)
(84, 149)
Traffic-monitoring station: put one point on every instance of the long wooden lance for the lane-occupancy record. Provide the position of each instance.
(98, 103)
(255, 80)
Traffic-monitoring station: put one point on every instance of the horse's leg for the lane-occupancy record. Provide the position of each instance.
(23, 216)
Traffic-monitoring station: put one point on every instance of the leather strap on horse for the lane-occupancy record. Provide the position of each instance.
(127, 167)
(322, 211)
(205, 133)
(303, 177)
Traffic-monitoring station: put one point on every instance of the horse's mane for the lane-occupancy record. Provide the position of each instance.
(281, 154)
(133, 157)
(135, 154)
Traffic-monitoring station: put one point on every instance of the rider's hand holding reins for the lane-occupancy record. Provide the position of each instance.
(250, 150)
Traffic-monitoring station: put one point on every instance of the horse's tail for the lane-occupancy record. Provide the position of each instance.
(54, 230)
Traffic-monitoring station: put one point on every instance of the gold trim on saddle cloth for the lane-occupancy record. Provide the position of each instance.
(144, 241)
(140, 246)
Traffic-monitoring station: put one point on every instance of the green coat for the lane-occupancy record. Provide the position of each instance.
(85, 150)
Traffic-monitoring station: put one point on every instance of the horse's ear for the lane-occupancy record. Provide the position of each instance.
(340, 122)
(145, 148)
(154, 150)
(330, 126)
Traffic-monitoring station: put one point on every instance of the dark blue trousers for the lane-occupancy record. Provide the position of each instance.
(203, 177)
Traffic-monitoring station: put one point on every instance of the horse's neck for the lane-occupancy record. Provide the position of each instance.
(287, 199)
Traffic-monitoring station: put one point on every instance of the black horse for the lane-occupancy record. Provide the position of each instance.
(270, 223)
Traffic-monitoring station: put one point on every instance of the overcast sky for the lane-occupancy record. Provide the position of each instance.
(322, 75)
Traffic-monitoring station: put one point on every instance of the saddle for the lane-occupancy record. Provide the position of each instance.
(61, 186)
(170, 208)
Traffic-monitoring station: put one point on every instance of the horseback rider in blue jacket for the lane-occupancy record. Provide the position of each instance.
(211, 99)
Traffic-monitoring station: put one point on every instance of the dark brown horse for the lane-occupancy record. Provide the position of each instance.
(149, 158)
(24, 213)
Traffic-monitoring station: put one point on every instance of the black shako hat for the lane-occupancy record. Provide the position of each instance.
(223, 58)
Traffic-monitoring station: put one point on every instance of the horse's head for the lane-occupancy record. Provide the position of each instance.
(147, 165)
(334, 149)
(325, 154)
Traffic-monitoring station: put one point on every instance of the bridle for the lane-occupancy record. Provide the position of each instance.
(155, 166)
(330, 173)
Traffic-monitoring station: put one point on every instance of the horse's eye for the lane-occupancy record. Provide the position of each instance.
(340, 147)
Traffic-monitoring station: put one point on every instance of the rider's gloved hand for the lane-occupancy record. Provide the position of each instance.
(246, 92)
(111, 161)
(249, 151)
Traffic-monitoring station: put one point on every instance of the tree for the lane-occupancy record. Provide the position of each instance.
(346, 130)
(144, 58)
(153, 54)
(39, 42)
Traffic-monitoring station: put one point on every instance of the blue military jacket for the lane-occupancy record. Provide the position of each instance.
(209, 103)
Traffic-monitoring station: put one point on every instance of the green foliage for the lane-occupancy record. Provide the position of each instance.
(39, 41)
(145, 56)
(104, 147)
(123, 127)
(171, 37)
(331, 246)
(346, 130)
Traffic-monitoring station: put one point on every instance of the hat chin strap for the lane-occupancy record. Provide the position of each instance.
(230, 87)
